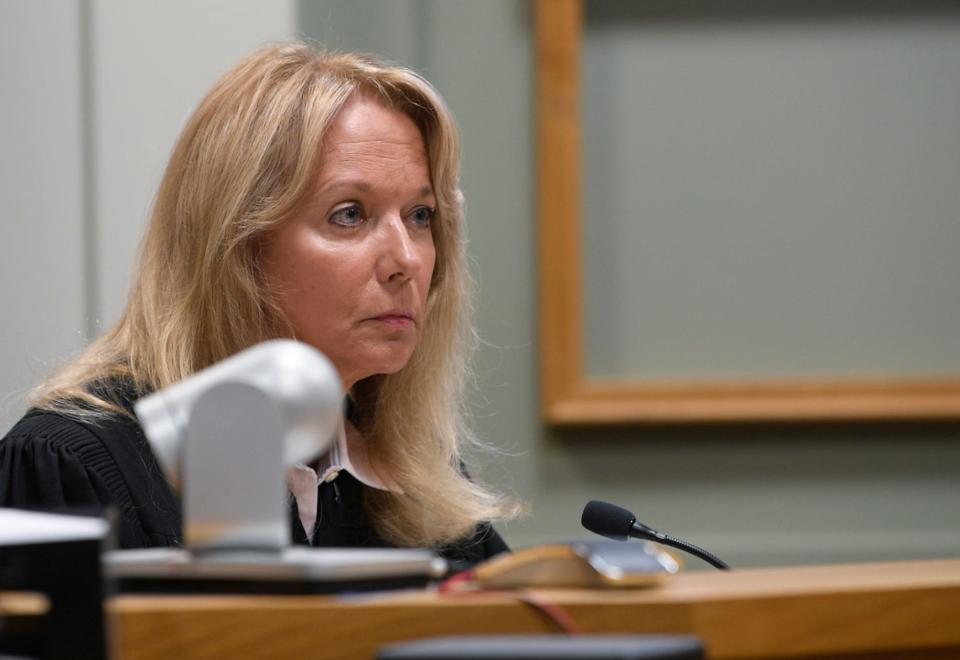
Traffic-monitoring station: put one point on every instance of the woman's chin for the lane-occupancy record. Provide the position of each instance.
(384, 366)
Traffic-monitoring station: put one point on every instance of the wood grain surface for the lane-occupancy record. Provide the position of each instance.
(901, 609)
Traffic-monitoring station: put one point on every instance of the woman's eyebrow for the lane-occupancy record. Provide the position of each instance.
(346, 184)
(363, 186)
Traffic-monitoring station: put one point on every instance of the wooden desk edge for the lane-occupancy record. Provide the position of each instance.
(857, 608)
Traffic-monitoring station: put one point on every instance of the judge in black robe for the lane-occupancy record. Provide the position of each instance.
(49, 461)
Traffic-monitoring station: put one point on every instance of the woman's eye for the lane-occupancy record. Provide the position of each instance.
(422, 215)
(348, 216)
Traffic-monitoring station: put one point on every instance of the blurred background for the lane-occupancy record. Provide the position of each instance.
(767, 192)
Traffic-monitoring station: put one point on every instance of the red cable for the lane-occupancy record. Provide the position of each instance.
(559, 616)
(462, 584)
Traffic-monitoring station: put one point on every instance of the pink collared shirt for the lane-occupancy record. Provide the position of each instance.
(349, 453)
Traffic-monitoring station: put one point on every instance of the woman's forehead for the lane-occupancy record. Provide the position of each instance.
(365, 117)
(369, 142)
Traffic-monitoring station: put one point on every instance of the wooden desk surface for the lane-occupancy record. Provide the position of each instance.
(905, 609)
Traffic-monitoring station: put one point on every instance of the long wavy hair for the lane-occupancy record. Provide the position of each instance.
(247, 161)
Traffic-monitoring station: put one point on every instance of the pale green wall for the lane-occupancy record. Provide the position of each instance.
(752, 494)
(767, 196)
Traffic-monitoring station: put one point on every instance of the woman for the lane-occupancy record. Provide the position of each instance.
(312, 196)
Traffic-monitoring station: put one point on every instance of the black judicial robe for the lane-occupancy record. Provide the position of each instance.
(49, 461)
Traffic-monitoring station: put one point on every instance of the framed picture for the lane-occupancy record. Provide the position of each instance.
(910, 373)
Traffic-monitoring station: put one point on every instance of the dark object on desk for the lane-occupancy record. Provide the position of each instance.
(59, 557)
(548, 647)
(618, 524)
(294, 570)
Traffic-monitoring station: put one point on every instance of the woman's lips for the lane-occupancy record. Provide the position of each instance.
(395, 320)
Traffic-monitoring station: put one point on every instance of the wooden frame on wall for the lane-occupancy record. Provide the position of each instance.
(568, 395)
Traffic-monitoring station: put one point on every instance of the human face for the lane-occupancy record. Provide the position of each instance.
(352, 270)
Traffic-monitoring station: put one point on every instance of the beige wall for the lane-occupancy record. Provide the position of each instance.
(94, 94)
(42, 192)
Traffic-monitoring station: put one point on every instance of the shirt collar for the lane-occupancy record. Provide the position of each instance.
(350, 453)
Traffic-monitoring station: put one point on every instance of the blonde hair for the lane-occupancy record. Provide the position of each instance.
(247, 161)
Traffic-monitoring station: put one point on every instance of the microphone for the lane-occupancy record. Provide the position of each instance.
(618, 524)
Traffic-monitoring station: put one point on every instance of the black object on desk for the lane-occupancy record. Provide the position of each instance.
(59, 557)
(293, 570)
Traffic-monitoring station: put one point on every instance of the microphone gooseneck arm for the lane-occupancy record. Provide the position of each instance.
(619, 524)
(641, 531)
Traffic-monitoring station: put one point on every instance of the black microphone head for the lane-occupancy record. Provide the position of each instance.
(608, 520)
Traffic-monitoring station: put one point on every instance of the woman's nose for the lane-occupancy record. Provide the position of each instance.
(399, 259)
